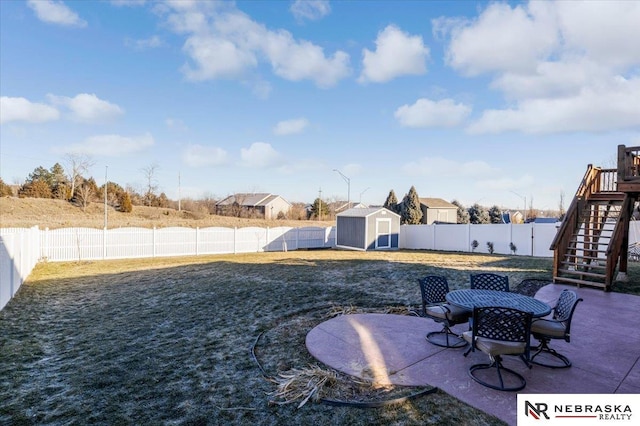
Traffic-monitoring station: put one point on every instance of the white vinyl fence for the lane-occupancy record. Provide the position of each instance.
(22, 248)
(68, 244)
(531, 239)
(19, 253)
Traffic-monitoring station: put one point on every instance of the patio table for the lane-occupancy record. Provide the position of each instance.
(470, 298)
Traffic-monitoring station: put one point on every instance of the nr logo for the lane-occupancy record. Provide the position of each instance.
(536, 410)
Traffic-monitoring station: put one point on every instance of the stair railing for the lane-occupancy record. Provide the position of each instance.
(590, 183)
(615, 244)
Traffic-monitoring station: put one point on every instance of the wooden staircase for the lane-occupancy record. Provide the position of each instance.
(591, 245)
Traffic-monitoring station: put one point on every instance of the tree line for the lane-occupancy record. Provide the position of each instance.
(411, 213)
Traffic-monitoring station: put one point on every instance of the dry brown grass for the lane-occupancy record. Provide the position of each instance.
(52, 214)
(163, 341)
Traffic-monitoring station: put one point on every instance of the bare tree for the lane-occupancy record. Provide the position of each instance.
(85, 194)
(77, 165)
(152, 183)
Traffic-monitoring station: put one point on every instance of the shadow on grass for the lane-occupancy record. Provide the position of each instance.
(172, 344)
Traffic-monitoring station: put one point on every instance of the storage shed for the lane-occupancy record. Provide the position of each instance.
(368, 229)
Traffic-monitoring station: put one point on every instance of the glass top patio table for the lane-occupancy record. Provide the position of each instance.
(470, 298)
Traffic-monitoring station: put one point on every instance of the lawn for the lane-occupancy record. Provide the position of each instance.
(190, 340)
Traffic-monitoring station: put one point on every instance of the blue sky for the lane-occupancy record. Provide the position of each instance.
(486, 102)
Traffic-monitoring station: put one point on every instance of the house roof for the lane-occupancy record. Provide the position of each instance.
(250, 200)
(437, 203)
(364, 212)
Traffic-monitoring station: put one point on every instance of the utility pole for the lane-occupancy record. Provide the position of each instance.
(320, 203)
(525, 204)
(106, 186)
(179, 197)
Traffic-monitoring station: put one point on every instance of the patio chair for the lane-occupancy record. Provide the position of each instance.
(487, 281)
(499, 331)
(556, 327)
(433, 289)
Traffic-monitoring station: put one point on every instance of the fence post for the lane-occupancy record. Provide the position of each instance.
(468, 237)
(104, 243)
(197, 239)
(235, 238)
(153, 242)
(267, 241)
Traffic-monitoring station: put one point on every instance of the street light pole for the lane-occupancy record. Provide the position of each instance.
(525, 204)
(346, 179)
(360, 200)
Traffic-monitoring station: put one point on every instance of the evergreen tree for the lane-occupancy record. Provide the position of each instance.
(60, 187)
(35, 189)
(124, 201)
(411, 213)
(5, 190)
(391, 202)
(320, 209)
(478, 214)
(462, 213)
(495, 215)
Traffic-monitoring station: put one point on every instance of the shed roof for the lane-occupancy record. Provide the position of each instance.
(364, 212)
(437, 203)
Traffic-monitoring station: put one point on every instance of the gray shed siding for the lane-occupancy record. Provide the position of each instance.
(351, 232)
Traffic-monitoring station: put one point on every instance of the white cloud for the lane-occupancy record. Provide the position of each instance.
(21, 109)
(128, 2)
(143, 44)
(605, 31)
(594, 109)
(56, 12)
(427, 113)
(503, 39)
(111, 145)
(176, 124)
(203, 156)
(569, 66)
(223, 42)
(290, 127)
(216, 57)
(260, 155)
(88, 108)
(441, 167)
(310, 9)
(397, 53)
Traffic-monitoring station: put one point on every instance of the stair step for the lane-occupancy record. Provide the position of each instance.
(584, 265)
(579, 282)
(575, 256)
(582, 273)
(583, 249)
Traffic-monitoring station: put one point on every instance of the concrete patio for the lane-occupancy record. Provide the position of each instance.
(604, 350)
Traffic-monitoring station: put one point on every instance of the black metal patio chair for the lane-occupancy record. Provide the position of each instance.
(434, 289)
(556, 327)
(499, 331)
(488, 281)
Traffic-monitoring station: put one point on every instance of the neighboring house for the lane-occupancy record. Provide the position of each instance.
(437, 210)
(263, 205)
(512, 217)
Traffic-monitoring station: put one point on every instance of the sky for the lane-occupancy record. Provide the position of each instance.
(494, 103)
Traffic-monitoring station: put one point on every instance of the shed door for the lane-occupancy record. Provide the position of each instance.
(383, 233)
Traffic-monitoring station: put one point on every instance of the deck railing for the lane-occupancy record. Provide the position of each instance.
(628, 163)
